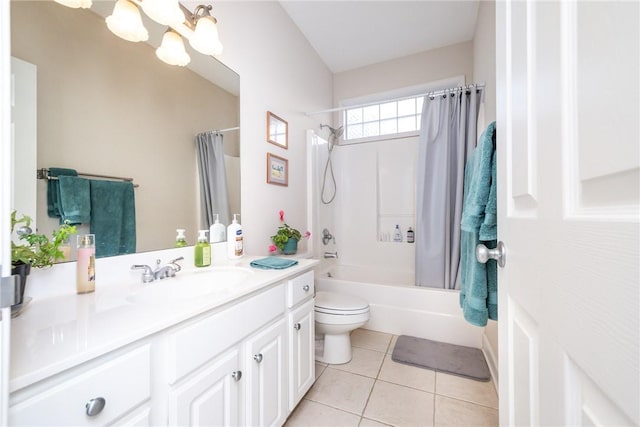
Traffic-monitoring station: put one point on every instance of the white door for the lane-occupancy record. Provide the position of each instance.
(302, 363)
(265, 365)
(6, 292)
(211, 397)
(568, 195)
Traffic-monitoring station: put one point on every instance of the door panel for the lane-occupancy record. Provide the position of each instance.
(568, 202)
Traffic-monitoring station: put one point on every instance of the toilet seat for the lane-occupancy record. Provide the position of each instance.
(339, 304)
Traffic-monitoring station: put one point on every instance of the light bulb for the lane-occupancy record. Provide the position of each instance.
(165, 12)
(171, 51)
(125, 22)
(205, 37)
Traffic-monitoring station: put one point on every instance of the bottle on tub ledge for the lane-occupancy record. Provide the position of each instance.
(411, 237)
(397, 234)
(235, 244)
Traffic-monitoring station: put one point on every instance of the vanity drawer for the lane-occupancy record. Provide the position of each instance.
(62, 401)
(194, 344)
(300, 288)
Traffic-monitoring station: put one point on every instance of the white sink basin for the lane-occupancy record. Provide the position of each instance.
(189, 285)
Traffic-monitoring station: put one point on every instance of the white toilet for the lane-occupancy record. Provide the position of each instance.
(336, 316)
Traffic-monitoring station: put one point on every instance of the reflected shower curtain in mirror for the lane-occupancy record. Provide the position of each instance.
(447, 136)
(214, 196)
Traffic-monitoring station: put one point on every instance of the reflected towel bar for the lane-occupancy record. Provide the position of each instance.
(44, 174)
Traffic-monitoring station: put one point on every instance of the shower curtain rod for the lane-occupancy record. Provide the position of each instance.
(429, 93)
(221, 130)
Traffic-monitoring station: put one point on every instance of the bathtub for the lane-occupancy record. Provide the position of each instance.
(400, 308)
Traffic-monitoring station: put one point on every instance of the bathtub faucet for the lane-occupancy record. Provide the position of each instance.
(331, 254)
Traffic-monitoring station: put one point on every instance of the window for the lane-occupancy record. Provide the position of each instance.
(393, 118)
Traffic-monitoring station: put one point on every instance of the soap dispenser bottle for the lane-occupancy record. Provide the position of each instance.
(202, 251)
(217, 231)
(181, 240)
(234, 239)
(397, 235)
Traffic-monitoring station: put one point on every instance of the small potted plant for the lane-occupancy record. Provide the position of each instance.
(286, 238)
(38, 251)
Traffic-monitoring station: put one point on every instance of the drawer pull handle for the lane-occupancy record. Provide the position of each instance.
(296, 326)
(236, 375)
(257, 357)
(95, 406)
(306, 288)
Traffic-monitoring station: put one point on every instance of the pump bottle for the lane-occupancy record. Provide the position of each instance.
(181, 240)
(217, 231)
(235, 237)
(202, 250)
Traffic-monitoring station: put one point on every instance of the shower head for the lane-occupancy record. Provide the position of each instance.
(337, 133)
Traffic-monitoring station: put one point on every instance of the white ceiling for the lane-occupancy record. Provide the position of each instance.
(351, 34)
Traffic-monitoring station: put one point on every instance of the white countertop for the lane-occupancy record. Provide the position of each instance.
(58, 331)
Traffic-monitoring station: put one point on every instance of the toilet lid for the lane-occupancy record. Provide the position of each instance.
(334, 303)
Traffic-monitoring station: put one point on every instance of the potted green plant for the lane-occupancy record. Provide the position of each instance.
(286, 238)
(38, 251)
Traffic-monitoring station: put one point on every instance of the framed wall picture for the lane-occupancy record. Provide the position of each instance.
(277, 130)
(277, 170)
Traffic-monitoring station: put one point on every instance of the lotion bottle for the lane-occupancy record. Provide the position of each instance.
(202, 250)
(217, 231)
(86, 264)
(235, 247)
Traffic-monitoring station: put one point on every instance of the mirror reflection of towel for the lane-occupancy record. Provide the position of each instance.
(53, 193)
(113, 217)
(74, 200)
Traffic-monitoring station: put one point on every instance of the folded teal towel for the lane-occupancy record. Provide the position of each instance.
(53, 187)
(479, 282)
(75, 203)
(273, 263)
(113, 217)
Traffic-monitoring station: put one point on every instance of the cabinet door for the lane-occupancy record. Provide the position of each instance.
(266, 391)
(301, 352)
(211, 396)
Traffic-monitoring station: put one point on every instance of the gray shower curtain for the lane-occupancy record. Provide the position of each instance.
(212, 175)
(447, 136)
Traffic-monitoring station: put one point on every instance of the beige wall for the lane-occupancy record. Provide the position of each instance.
(279, 72)
(108, 106)
(421, 68)
(484, 56)
(484, 70)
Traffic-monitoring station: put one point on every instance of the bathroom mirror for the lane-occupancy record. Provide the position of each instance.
(277, 130)
(107, 106)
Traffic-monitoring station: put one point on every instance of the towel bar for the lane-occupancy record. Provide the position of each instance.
(44, 174)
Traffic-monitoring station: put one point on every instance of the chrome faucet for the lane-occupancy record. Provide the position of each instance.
(327, 236)
(331, 254)
(169, 270)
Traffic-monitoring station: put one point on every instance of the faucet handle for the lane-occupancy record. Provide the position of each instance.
(178, 267)
(147, 275)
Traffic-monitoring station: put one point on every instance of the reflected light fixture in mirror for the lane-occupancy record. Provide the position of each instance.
(205, 37)
(75, 4)
(171, 51)
(165, 12)
(126, 22)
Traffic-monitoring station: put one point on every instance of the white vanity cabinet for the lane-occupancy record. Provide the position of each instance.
(100, 392)
(301, 326)
(248, 361)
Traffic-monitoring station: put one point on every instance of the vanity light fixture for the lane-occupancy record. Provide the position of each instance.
(84, 4)
(125, 22)
(171, 51)
(199, 27)
(205, 37)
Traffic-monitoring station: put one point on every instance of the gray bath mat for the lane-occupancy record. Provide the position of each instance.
(453, 359)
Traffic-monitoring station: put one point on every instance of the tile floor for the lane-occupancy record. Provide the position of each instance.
(372, 390)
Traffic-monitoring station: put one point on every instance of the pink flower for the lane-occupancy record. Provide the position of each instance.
(272, 248)
(307, 234)
(281, 216)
